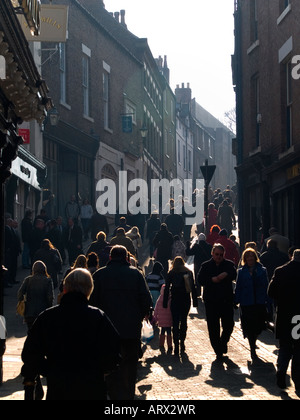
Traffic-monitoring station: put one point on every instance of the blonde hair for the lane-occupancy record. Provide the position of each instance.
(246, 253)
(79, 280)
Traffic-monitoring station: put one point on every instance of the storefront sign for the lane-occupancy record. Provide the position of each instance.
(54, 24)
(32, 13)
(25, 133)
(294, 171)
(26, 172)
(2, 67)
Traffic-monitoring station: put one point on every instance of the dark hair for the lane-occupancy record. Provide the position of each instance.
(118, 253)
(92, 260)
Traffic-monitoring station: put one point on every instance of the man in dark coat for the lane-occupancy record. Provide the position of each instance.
(273, 257)
(73, 345)
(216, 276)
(73, 240)
(285, 290)
(163, 242)
(122, 293)
(201, 251)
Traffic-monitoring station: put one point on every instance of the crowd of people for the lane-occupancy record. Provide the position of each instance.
(105, 295)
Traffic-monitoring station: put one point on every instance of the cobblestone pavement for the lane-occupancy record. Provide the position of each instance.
(194, 376)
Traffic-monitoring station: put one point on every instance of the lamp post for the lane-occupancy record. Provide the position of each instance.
(207, 172)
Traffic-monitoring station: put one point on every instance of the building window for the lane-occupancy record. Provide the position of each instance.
(184, 157)
(257, 110)
(86, 85)
(284, 4)
(63, 74)
(178, 152)
(253, 21)
(106, 95)
(189, 160)
(289, 101)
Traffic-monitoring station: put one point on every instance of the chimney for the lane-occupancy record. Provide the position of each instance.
(123, 18)
(183, 94)
(117, 16)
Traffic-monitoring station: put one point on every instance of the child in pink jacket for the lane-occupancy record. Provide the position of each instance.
(163, 317)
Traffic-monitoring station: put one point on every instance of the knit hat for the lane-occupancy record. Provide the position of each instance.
(202, 237)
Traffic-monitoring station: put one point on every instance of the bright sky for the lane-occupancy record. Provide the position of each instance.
(197, 37)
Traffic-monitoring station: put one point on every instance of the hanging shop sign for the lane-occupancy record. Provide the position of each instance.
(53, 24)
(26, 172)
(32, 14)
(25, 133)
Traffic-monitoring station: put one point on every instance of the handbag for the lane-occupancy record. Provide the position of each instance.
(147, 332)
(21, 307)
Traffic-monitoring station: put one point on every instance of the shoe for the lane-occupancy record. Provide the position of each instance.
(281, 380)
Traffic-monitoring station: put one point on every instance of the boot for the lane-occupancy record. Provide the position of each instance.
(170, 343)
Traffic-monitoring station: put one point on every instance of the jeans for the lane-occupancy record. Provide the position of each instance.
(216, 313)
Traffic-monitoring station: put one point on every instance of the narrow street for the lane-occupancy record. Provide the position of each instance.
(195, 375)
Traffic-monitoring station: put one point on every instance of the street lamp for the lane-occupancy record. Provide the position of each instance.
(144, 131)
(53, 116)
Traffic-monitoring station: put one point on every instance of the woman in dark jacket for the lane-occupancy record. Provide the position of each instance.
(38, 289)
(251, 293)
(51, 258)
(180, 283)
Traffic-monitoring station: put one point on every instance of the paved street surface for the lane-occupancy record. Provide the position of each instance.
(196, 375)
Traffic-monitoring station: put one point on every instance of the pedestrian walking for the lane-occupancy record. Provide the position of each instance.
(163, 318)
(163, 242)
(217, 276)
(273, 257)
(134, 235)
(72, 345)
(26, 231)
(39, 292)
(98, 223)
(122, 293)
(155, 280)
(178, 248)
(201, 250)
(51, 258)
(153, 226)
(213, 236)
(283, 242)
(226, 217)
(231, 252)
(92, 262)
(284, 288)
(181, 285)
(251, 294)
(101, 247)
(73, 240)
(123, 240)
(72, 209)
(86, 213)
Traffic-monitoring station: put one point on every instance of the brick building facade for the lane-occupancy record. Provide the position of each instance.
(268, 130)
